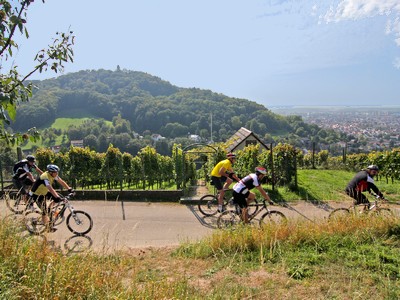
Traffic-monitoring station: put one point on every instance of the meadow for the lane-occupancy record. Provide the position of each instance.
(356, 258)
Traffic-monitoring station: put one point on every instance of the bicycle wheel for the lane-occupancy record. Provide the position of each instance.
(273, 217)
(208, 205)
(384, 212)
(229, 219)
(339, 214)
(79, 222)
(15, 202)
(34, 223)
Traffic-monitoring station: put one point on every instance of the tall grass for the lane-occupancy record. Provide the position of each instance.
(31, 269)
(356, 255)
(355, 258)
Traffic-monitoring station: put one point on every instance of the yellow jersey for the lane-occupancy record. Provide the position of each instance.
(226, 163)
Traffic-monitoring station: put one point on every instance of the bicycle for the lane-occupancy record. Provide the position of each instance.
(15, 200)
(232, 218)
(208, 204)
(363, 208)
(78, 222)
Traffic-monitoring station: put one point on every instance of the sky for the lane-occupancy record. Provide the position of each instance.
(273, 52)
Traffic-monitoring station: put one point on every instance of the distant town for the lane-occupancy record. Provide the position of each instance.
(369, 127)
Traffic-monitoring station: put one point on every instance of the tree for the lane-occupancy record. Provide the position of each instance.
(12, 84)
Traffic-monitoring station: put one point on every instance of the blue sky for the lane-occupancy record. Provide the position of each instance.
(344, 52)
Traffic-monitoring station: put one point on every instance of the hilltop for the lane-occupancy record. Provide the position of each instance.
(147, 104)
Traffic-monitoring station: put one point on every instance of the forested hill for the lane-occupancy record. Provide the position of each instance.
(152, 105)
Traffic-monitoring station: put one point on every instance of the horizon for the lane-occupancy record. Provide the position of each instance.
(275, 53)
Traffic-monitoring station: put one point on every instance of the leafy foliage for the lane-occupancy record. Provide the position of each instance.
(144, 104)
(12, 84)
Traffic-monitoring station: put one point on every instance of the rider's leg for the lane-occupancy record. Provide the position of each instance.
(228, 183)
(217, 181)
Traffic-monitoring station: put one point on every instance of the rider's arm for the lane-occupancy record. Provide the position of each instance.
(40, 172)
(63, 183)
(232, 175)
(222, 172)
(51, 189)
(30, 176)
(263, 193)
(372, 186)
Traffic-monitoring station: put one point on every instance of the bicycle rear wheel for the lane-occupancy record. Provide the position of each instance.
(208, 205)
(229, 219)
(339, 214)
(79, 222)
(34, 223)
(273, 217)
(15, 202)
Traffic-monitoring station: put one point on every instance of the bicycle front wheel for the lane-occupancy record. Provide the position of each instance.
(34, 222)
(273, 217)
(208, 205)
(229, 219)
(79, 222)
(339, 214)
(15, 202)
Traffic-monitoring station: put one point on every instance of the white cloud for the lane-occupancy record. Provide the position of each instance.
(396, 63)
(314, 10)
(358, 9)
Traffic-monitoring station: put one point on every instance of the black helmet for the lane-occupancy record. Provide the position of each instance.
(373, 167)
(30, 158)
(52, 168)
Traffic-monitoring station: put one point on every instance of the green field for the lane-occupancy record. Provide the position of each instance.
(62, 123)
(325, 185)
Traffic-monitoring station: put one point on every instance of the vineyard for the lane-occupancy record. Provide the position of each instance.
(86, 169)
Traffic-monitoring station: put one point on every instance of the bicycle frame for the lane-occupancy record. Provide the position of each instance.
(259, 207)
(64, 204)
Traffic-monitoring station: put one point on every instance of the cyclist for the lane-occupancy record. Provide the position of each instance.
(241, 190)
(23, 177)
(361, 182)
(43, 189)
(222, 176)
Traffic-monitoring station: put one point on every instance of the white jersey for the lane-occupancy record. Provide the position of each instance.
(247, 183)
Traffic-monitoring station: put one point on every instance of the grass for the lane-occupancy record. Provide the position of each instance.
(69, 118)
(356, 258)
(326, 185)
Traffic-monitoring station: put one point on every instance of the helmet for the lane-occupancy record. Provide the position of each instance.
(261, 170)
(373, 167)
(30, 158)
(231, 155)
(52, 168)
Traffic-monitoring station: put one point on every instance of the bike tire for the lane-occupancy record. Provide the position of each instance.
(339, 213)
(208, 205)
(15, 203)
(79, 222)
(272, 217)
(228, 219)
(34, 223)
